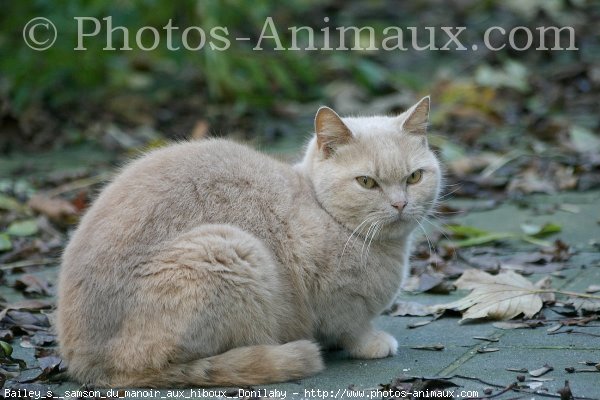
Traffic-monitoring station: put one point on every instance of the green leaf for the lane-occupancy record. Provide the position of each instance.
(8, 203)
(584, 140)
(25, 227)
(483, 239)
(540, 230)
(6, 348)
(537, 242)
(466, 231)
(5, 243)
(549, 229)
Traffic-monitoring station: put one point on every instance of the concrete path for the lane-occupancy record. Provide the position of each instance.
(463, 359)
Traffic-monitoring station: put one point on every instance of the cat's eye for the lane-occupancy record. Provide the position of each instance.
(366, 182)
(415, 177)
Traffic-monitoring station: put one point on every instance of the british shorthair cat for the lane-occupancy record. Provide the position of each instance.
(207, 263)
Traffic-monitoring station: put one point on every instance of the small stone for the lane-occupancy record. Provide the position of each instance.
(521, 378)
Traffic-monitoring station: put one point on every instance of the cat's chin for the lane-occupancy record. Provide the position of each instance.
(403, 219)
(399, 227)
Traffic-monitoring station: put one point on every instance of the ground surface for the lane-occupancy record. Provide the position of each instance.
(461, 360)
(506, 125)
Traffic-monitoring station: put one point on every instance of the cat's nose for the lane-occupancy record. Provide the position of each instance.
(399, 205)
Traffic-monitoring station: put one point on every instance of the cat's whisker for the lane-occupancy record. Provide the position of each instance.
(426, 237)
(366, 251)
(446, 195)
(371, 228)
(443, 232)
(437, 227)
(366, 220)
(378, 229)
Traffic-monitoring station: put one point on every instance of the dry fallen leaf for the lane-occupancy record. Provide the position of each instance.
(517, 325)
(584, 305)
(565, 393)
(30, 305)
(541, 371)
(488, 350)
(403, 308)
(31, 284)
(200, 131)
(546, 284)
(502, 297)
(487, 339)
(593, 289)
(520, 370)
(419, 324)
(54, 208)
(434, 347)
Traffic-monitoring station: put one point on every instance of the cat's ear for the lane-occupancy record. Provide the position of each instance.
(330, 130)
(416, 118)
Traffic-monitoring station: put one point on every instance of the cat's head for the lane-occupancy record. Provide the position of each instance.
(374, 172)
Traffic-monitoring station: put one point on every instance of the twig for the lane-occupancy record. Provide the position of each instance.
(569, 331)
(29, 263)
(472, 378)
(578, 371)
(575, 294)
(515, 388)
(564, 293)
(500, 393)
(78, 184)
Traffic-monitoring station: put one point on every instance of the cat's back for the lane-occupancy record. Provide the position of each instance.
(174, 189)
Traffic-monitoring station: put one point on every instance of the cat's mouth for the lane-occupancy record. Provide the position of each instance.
(403, 218)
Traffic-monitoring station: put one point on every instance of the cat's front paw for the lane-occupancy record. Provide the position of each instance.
(375, 344)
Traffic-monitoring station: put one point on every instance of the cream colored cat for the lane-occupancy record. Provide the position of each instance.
(207, 263)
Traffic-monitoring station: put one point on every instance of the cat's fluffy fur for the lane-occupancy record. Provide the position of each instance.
(207, 263)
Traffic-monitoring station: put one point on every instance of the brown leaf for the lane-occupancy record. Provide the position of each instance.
(554, 328)
(6, 335)
(444, 287)
(546, 284)
(580, 321)
(487, 339)
(56, 209)
(404, 308)
(42, 339)
(530, 181)
(413, 384)
(565, 392)
(428, 281)
(503, 296)
(200, 130)
(26, 321)
(593, 289)
(560, 252)
(584, 305)
(435, 347)
(520, 370)
(517, 325)
(31, 284)
(488, 350)
(50, 364)
(419, 324)
(29, 375)
(30, 304)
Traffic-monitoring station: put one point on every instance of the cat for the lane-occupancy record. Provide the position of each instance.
(209, 264)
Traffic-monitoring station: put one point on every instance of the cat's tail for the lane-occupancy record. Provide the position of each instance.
(242, 366)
